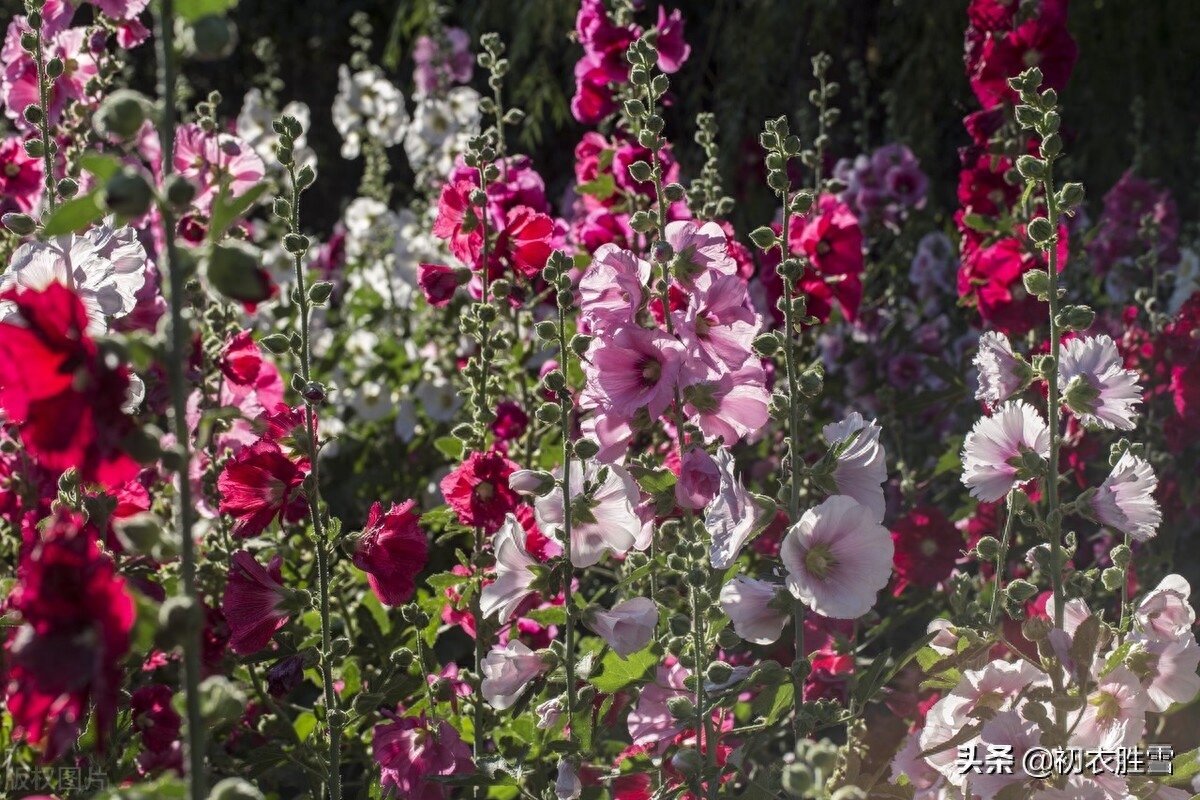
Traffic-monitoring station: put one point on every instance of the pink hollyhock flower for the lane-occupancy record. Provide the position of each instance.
(438, 282)
(1166, 669)
(1166, 613)
(411, 752)
(604, 519)
(254, 603)
(1115, 714)
(76, 619)
(19, 87)
(731, 407)
(754, 608)
(833, 242)
(861, 465)
(628, 627)
(1001, 373)
(650, 722)
(994, 447)
(458, 222)
(699, 479)
(209, 160)
(567, 785)
(926, 781)
(258, 485)
(672, 48)
(1095, 384)
(392, 551)
(837, 557)
(508, 671)
(1042, 41)
(719, 325)
(478, 490)
(1011, 732)
(635, 368)
(525, 241)
(732, 516)
(514, 573)
(599, 227)
(1125, 501)
(121, 9)
(442, 61)
(699, 249)
(927, 546)
(62, 392)
(20, 177)
(611, 289)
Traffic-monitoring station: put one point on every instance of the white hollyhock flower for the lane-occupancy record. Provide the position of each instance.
(1001, 373)
(862, 465)
(106, 268)
(439, 398)
(507, 671)
(440, 129)
(368, 106)
(731, 516)
(995, 442)
(837, 557)
(750, 605)
(1166, 612)
(1095, 384)
(513, 573)
(1125, 501)
(604, 500)
(629, 627)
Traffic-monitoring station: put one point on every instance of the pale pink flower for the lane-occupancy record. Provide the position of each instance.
(628, 628)
(945, 640)
(1095, 384)
(699, 479)
(650, 721)
(732, 516)
(549, 713)
(508, 671)
(1125, 501)
(861, 463)
(567, 786)
(1001, 373)
(925, 780)
(210, 159)
(611, 289)
(753, 606)
(837, 557)
(995, 443)
(19, 86)
(699, 249)
(1115, 713)
(1166, 612)
(634, 368)
(1017, 735)
(604, 517)
(513, 572)
(732, 406)
(1167, 670)
(719, 325)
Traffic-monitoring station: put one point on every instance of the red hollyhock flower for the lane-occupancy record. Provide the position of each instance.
(160, 724)
(61, 391)
(833, 242)
(511, 421)
(478, 490)
(982, 188)
(410, 754)
(76, 621)
(254, 603)
(927, 547)
(993, 278)
(392, 551)
(259, 484)
(437, 282)
(525, 241)
(1041, 42)
(458, 222)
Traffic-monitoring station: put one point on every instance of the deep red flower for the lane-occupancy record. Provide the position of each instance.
(254, 603)
(478, 490)
(64, 394)
(525, 241)
(155, 717)
(458, 222)
(410, 754)
(927, 545)
(982, 188)
(833, 242)
(392, 551)
(259, 484)
(511, 421)
(76, 619)
(1042, 42)
(437, 282)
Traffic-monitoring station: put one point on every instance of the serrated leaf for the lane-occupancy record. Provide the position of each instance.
(74, 215)
(551, 615)
(226, 210)
(616, 673)
(1184, 767)
(445, 580)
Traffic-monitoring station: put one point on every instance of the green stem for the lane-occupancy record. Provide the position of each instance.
(44, 127)
(1054, 515)
(1002, 560)
(564, 404)
(180, 339)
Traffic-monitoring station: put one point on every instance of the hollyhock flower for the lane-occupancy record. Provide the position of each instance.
(411, 753)
(1166, 670)
(611, 288)
(254, 603)
(20, 177)
(260, 484)
(478, 490)
(699, 479)
(1125, 501)
(514, 576)
(732, 516)
(59, 388)
(1041, 41)
(1001, 373)
(1166, 613)
(511, 421)
(650, 722)
(19, 84)
(731, 406)
(832, 240)
(525, 241)
(719, 324)
(1095, 384)
(458, 222)
(105, 268)
(1127, 206)
(672, 48)
(604, 500)
(635, 368)
(392, 551)
(861, 466)
(1016, 735)
(1115, 714)
(368, 106)
(507, 672)
(995, 443)
(438, 283)
(753, 608)
(837, 557)
(992, 277)
(442, 60)
(698, 249)
(213, 160)
(285, 675)
(76, 619)
(628, 627)
(567, 785)
(155, 718)
(927, 547)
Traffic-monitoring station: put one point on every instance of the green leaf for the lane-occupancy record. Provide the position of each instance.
(553, 615)
(773, 702)
(192, 10)
(304, 725)
(450, 447)
(602, 187)
(74, 215)
(164, 789)
(654, 481)
(1184, 767)
(100, 165)
(444, 580)
(616, 673)
(950, 461)
(226, 210)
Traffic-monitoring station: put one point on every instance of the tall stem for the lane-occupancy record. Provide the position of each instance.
(44, 125)
(180, 342)
(1002, 559)
(564, 405)
(1054, 515)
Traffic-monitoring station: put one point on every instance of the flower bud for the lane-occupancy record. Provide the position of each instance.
(221, 701)
(988, 548)
(127, 193)
(233, 269)
(210, 38)
(1037, 281)
(121, 114)
(179, 190)
(19, 224)
(1031, 168)
(1040, 230)
(687, 761)
(1020, 590)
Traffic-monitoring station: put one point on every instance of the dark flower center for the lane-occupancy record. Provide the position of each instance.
(651, 371)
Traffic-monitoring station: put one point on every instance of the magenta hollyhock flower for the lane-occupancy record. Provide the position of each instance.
(525, 241)
(514, 572)
(254, 603)
(719, 325)
(478, 490)
(392, 551)
(754, 609)
(209, 159)
(258, 485)
(154, 716)
(650, 722)
(1042, 41)
(508, 671)
(831, 239)
(837, 557)
(511, 421)
(458, 222)
(635, 368)
(438, 282)
(1095, 384)
(442, 61)
(121, 9)
(19, 87)
(628, 627)
(1125, 501)
(672, 48)
(611, 288)
(20, 177)
(698, 249)
(410, 752)
(927, 546)
(76, 618)
(995, 443)
(732, 406)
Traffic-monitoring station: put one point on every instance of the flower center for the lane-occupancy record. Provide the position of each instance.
(928, 548)
(485, 491)
(819, 561)
(823, 248)
(703, 323)
(11, 169)
(1107, 708)
(651, 371)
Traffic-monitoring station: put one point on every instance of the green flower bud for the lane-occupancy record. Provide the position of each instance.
(319, 292)
(1031, 168)
(121, 114)
(20, 224)
(221, 701)
(1020, 590)
(1037, 282)
(764, 238)
(234, 270)
(988, 548)
(179, 190)
(681, 707)
(1040, 230)
(586, 448)
(210, 38)
(127, 193)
